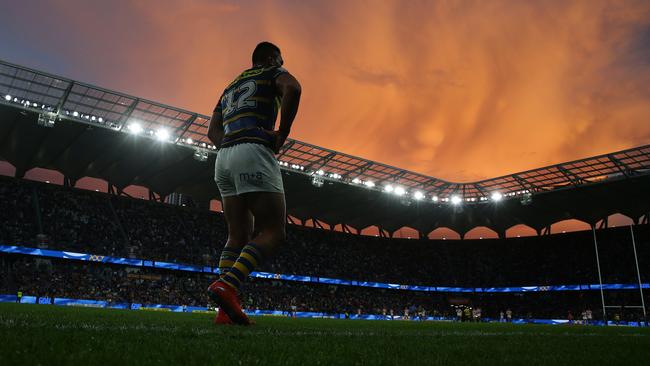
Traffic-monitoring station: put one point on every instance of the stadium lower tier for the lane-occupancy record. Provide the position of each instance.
(43, 215)
(51, 278)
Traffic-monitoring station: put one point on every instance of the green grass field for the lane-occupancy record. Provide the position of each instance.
(52, 335)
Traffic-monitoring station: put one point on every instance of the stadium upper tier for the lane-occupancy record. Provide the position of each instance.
(129, 140)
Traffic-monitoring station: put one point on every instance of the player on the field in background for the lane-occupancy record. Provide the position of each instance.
(247, 173)
(467, 315)
(294, 307)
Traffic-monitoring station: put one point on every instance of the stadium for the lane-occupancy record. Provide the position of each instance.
(466, 183)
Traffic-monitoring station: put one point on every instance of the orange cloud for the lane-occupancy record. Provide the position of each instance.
(469, 90)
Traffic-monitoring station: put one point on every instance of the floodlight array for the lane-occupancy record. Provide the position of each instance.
(162, 134)
(26, 103)
(286, 164)
(397, 190)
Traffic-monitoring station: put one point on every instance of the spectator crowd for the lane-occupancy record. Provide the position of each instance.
(63, 218)
(119, 284)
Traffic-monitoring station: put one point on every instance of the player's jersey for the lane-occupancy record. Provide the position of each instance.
(249, 106)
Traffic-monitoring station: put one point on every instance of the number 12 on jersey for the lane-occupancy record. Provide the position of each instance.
(232, 103)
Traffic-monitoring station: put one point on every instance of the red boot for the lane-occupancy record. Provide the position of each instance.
(226, 297)
(222, 318)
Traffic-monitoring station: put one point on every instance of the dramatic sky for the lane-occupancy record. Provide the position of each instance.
(460, 90)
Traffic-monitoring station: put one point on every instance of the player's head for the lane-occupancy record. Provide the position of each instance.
(267, 54)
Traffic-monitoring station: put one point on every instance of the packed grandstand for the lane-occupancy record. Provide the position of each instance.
(76, 220)
(61, 242)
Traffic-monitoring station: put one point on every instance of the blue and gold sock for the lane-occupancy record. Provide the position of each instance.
(248, 260)
(227, 260)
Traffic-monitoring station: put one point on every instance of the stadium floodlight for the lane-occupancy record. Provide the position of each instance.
(320, 172)
(369, 183)
(189, 141)
(317, 182)
(46, 119)
(135, 128)
(75, 114)
(8, 98)
(456, 200)
(162, 134)
(93, 118)
(100, 119)
(356, 180)
(200, 155)
(388, 188)
(399, 191)
(496, 196)
(434, 198)
(418, 195)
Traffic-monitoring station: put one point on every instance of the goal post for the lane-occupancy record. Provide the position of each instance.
(600, 279)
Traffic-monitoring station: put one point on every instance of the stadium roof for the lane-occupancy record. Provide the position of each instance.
(83, 130)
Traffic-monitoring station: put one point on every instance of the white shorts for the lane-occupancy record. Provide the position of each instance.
(245, 168)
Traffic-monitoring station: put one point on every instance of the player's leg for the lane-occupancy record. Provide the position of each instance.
(269, 210)
(238, 219)
(240, 228)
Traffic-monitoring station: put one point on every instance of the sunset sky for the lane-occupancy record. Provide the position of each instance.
(460, 90)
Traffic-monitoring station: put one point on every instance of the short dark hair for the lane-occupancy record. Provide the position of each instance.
(263, 51)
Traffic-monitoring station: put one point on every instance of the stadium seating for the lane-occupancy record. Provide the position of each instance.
(51, 216)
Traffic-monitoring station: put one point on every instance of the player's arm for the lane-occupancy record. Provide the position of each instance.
(290, 91)
(215, 130)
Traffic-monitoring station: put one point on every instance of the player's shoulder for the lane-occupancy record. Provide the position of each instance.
(275, 71)
(246, 74)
